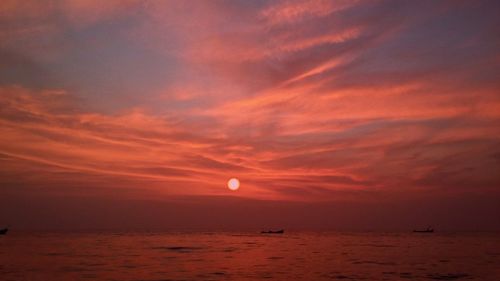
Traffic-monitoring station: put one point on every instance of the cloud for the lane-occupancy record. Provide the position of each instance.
(301, 100)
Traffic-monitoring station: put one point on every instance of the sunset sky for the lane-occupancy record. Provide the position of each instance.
(330, 113)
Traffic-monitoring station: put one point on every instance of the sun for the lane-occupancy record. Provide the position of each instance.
(233, 184)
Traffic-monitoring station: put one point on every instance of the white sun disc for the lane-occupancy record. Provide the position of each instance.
(233, 184)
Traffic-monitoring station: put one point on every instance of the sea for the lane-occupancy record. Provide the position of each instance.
(249, 256)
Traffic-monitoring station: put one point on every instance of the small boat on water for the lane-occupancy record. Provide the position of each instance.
(3, 231)
(281, 231)
(428, 230)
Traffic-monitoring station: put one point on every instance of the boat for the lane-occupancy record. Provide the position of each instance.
(428, 230)
(281, 231)
(3, 231)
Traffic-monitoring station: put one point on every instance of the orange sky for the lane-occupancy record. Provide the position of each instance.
(303, 101)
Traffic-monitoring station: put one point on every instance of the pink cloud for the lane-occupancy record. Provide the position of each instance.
(298, 99)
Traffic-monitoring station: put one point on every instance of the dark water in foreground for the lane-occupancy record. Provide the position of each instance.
(231, 256)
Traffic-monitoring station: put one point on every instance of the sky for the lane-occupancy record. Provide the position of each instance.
(332, 114)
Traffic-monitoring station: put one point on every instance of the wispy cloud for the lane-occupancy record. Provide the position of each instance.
(299, 99)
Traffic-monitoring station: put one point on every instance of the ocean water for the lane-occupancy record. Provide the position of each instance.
(249, 256)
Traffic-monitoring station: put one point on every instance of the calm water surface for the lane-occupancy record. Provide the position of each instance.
(245, 256)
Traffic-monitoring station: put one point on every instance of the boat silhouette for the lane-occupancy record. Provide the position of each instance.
(3, 231)
(281, 231)
(428, 230)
